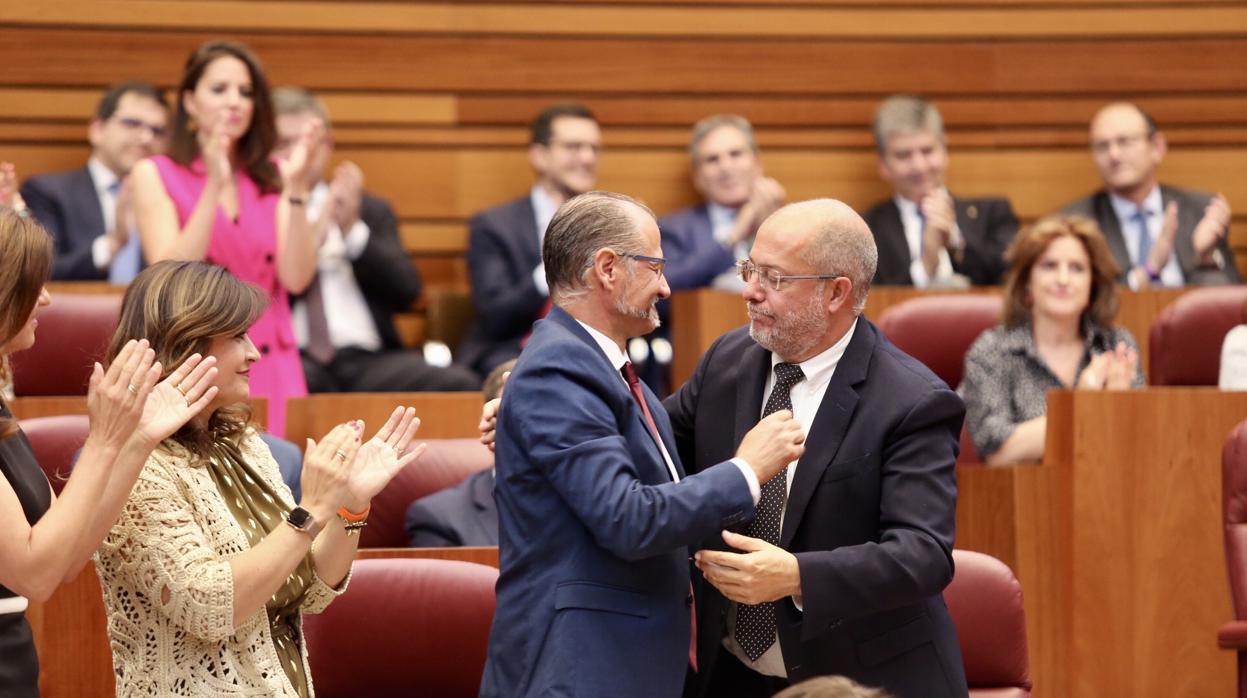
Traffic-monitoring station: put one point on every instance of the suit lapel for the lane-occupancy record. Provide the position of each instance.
(755, 367)
(88, 202)
(656, 409)
(830, 423)
(893, 233)
(1111, 227)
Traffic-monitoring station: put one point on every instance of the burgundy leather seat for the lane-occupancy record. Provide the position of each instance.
(404, 627)
(1233, 635)
(938, 331)
(447, 462)
(1185, 339)
(55, 440)
(985, 601)
(73, 334)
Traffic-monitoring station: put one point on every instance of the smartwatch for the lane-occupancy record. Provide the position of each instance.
(301, 519)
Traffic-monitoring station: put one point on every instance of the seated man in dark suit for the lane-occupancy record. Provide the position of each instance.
(702, 243)
(464, 514)
(926, 236)
(87, 211)
(504, 243)
(344, 322)
(1160, 235)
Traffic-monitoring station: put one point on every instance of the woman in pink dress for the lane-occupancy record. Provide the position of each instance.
(219, 197)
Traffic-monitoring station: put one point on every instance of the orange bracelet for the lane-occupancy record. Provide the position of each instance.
(352, 517)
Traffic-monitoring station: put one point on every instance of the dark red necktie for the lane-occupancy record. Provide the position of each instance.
(634, 386)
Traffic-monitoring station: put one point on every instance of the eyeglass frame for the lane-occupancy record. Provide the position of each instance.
(659, 261)
(132, 124)
(775, 278)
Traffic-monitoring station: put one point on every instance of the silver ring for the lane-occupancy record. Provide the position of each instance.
(132, 389)
(340, 453)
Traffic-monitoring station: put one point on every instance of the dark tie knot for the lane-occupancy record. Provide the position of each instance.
(788, 375)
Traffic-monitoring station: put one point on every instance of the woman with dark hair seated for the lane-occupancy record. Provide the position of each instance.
(1060, 300)
(44, 539)
(211, 565)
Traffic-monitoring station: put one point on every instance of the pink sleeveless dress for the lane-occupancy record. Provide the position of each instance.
(248, 248)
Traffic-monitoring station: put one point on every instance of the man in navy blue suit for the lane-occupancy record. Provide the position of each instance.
(841, 571)
(87, 210)
(703, 242)
(595, 510)
(504, 242)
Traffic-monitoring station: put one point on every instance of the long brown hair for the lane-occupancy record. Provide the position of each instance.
(26, 251)
(180, 307)
(256, 145)
(1029, 246)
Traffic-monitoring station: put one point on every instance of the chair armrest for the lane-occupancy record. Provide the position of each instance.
(1233, 635)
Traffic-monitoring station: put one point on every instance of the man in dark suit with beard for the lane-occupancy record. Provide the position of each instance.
(842, 570)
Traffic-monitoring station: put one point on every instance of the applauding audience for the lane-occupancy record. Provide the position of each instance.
(1057, 332)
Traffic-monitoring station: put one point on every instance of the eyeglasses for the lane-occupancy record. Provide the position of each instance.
(1122, 142)
(657, 264)
(132, 124)
(576, 146)
(770, 279)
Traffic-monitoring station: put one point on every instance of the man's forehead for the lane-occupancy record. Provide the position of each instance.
(132, 102)
(909, 139)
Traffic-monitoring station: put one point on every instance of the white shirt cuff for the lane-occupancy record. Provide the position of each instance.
(101, 252)
(755, 489)
(539, 278)
(356, 239)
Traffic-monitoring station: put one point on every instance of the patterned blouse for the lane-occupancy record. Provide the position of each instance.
(1006, 381)
(175, 537)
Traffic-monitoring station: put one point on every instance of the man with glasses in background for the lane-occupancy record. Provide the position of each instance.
(504, 243)
(88, 210)
(1160, 235)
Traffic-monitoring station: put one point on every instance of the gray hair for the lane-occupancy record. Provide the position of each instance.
(905, 114)
(706, 126)
(296, 100)
(583, 225)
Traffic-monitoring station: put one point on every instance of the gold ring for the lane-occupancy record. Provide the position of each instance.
(179, 389)
(132, 389)
(340, 453)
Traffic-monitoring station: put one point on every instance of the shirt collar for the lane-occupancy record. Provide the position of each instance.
(613, 353)
(818, 368)
(102, 177)
(720, 214)
(1125, 208)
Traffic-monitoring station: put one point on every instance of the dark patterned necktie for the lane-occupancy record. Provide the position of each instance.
(755, 623)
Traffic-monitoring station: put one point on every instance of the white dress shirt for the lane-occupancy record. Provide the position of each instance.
(722, 220)
(544, 209)
(1154, 210)
(912, 222)
(104, 180)
(807, 397)
(346, 310)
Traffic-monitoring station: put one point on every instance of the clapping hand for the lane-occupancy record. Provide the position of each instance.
(8, 187)
(296, 169)
(382, 457)
(215, 145)
(1111, 370)
(116, 397)
(177, 399)
(1211, 228)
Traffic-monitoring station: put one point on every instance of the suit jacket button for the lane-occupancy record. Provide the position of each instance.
(263, 348)
(688, 599)
(268, 258)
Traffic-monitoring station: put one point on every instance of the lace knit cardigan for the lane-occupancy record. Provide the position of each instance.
(177, 534)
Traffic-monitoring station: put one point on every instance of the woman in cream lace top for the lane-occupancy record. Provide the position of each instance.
(208, 570)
